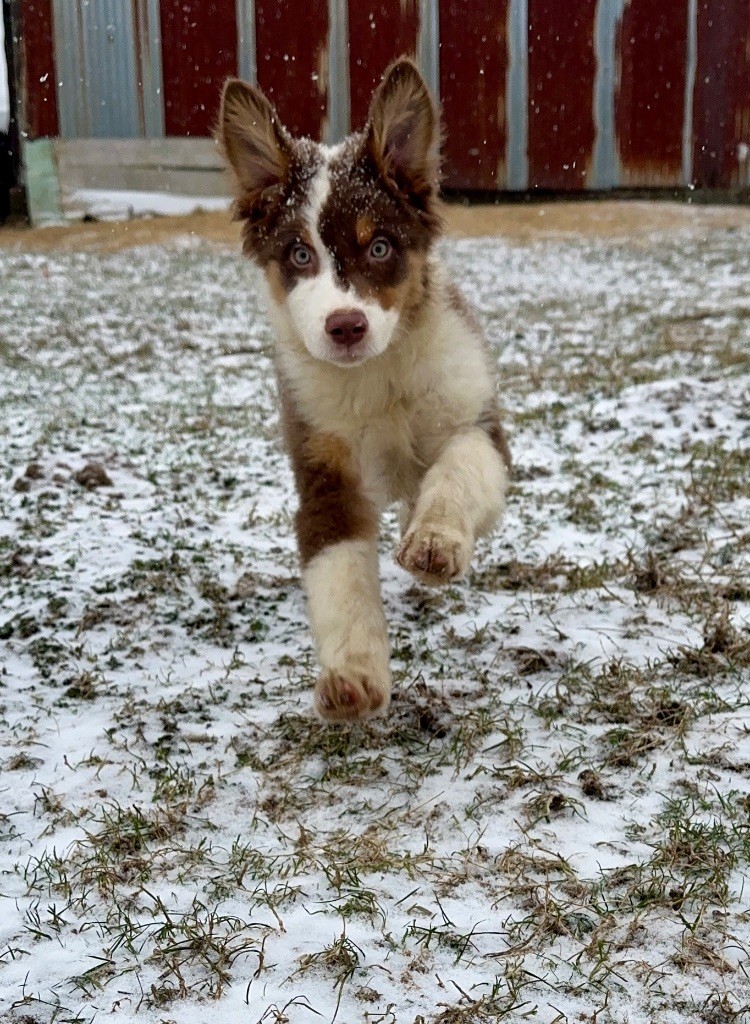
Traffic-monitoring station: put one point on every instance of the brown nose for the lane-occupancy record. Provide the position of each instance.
(346, 326)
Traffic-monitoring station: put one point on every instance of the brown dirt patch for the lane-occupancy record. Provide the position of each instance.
(520, 222)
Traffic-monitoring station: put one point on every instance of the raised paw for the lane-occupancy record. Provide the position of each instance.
(434, 555)
(351, 695)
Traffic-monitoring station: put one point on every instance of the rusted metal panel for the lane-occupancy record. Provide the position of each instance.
(535, 93)
(38, 74)
(562, 72)
(473, 72)
(650, 100)
(199, 50)
(379, 31)
(292, 61)
(721, 98)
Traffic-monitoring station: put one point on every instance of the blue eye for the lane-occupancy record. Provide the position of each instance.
(380, 249)
(301, 256)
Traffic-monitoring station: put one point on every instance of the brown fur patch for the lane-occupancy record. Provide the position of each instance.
(459, 305)
(274, 221)
(490, 423)
(270, 173)
(332, 506)
(365, 229)
(275, 282)
(408, 294)
(253, 141)
(360, 202)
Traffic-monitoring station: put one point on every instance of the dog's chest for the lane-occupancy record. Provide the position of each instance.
(389, 457)
(397, 413)
(396, 447)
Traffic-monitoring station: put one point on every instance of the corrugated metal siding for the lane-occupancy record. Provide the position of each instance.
(536, 94)
(605, 165)
(108, 68)
(70, 74)
(428, 45)
(246, 67)
(339, 119)
(516, 108)
(151, 88)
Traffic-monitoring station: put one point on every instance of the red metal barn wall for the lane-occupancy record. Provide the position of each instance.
(536, 94)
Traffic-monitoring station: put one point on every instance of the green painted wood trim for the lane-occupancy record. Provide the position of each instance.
(42, 184)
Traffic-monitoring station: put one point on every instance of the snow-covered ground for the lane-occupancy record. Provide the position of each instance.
(553, 822)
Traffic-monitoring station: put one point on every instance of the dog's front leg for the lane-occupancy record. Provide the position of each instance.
(337, 530)
(461, 497)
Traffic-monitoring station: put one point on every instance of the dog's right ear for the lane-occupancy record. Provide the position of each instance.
(255, 144)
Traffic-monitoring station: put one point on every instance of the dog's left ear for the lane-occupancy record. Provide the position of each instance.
(402, 131)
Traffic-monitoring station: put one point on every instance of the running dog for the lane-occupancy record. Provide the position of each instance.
(385, 380)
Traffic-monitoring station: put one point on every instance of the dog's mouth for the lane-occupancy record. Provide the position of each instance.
(350, 355)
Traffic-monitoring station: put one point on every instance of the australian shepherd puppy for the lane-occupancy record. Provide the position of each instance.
(385, 381)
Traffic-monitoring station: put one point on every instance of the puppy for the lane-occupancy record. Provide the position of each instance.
(385, 381)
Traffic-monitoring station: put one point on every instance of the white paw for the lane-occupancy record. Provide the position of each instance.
(435, 554)
(352, 694)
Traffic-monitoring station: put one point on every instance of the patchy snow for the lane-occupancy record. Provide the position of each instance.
(116, 204)
(554, 819)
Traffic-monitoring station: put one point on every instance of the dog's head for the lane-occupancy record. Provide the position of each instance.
(341, 233)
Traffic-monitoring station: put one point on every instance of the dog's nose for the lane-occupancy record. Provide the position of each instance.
(346, 326)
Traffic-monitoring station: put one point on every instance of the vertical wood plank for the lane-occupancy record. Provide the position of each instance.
(292, 61)
(562, 72)
(38, 76)
(378, 33)
(473, 73)
(199, 50)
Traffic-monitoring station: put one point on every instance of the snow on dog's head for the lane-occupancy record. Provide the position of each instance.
(342, 233)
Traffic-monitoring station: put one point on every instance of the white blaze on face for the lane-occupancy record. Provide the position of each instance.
(313, 299)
